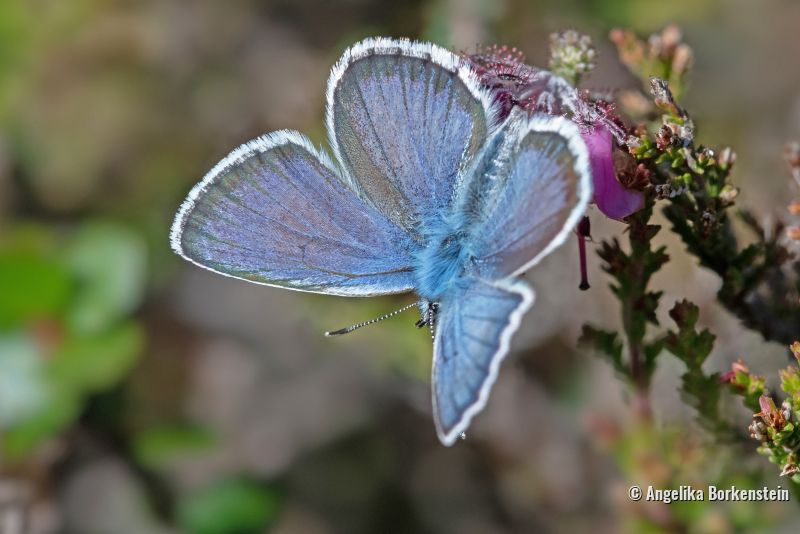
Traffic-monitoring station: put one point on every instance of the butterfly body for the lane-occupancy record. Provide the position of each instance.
(442, 261)
(425, 192)
(447, 257)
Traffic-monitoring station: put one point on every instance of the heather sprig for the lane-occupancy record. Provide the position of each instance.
(662, 55)
(653, 160)
(631, 272)
(698, 389)
(760, 280)
(777, 428)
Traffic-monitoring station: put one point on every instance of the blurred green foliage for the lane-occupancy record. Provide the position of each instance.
(66, 308)
(235, 506)
(160, 446)
(673, 456)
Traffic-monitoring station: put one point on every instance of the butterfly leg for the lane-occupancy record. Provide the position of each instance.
(428, 311)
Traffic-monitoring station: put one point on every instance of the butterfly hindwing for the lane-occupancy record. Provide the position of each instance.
(530, 187)
(403, 120)
(543, 187)
(275, 212)
(474, 325)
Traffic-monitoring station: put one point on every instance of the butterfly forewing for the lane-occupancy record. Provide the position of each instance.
(275, 212)
(404, 119)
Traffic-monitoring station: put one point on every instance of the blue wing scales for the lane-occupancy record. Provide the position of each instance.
(404, 119)
(539, 191)
(473, 331)
(528, 192)
(275, 212)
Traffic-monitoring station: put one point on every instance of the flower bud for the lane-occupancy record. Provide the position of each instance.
(571, 54)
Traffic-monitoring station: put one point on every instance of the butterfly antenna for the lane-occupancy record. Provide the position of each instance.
(349, 329)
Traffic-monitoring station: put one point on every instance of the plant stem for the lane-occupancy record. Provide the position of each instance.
(641, 387)
(632, 272)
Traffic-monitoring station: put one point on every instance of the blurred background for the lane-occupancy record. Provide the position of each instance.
(140, 394)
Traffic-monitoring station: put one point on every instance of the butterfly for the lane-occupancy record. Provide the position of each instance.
(426, 191)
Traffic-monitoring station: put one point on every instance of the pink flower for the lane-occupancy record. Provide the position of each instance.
(739, 367)
(535, 90)
(610, 196)
(727, 377)
(770, 413)
(732, 377)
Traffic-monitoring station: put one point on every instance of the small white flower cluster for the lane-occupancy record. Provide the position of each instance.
(571, 54)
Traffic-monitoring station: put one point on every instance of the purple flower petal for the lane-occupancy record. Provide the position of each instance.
(610, 196)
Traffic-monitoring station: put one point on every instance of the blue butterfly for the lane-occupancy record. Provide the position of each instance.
(425, 192)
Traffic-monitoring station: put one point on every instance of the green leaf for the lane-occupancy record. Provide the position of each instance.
(109, 263)
(790, 381)
(702, 393)
(31, 287)
(698, 390)
(21, 439)
(229, 507)
(81, 366)
(688, 345)
(750, 387)
(156, 447)
(749, 254)
(94, 363)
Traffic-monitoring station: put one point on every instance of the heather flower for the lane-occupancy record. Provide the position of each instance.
(663, 54)
(751, 387)
(571, 55)
(737, 375)
(514, 83)
(770, 414)
(614, 200)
